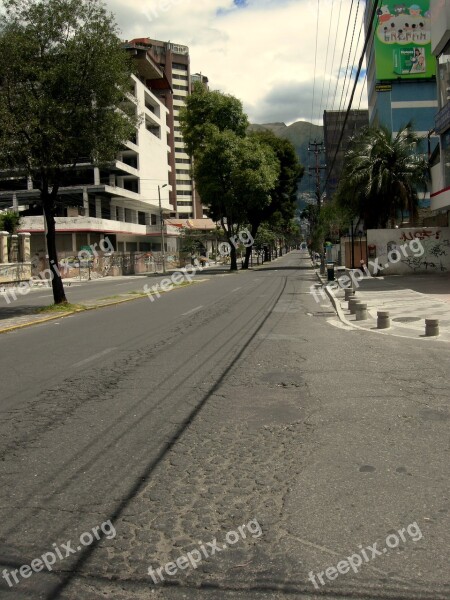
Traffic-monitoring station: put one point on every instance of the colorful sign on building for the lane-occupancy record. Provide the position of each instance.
(403, 41)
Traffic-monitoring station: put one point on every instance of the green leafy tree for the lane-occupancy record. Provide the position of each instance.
(195, 241)
(63, 75)
(265, 236)
(332, 220)
(259, 198)
(382, 175)
(208, 111)
(9, 221)
(234, 174)
(283, 197)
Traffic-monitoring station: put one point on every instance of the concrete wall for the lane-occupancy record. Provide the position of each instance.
(14, 272)
(434, 240)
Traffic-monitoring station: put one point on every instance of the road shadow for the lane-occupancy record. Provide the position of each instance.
(10, 312)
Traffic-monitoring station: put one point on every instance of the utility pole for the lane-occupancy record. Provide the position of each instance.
(317, 148)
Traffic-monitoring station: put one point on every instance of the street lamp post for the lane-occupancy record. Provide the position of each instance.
(161, 224)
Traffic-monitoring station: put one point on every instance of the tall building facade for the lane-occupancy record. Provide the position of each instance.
(401, 70)
(175, 62)
(440, 160)
(333, 123)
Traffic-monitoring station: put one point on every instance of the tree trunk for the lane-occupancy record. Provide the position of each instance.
(58, 289)
(248, 249)
(233, 258)
(248, 253)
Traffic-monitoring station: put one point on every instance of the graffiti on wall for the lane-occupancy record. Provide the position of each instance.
(435, 249)
(420, 235)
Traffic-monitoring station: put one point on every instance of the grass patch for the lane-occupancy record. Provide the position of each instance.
(58, 308)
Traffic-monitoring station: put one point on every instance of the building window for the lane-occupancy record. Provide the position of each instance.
(183, 203)
(183, 182)
(444, 76)
(179, 139)
(182, 77)
(182, 172)
(177, 97)
(184, 193)
(445, 151)
(180, 87)
(179, 66)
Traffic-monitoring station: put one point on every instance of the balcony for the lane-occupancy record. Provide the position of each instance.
(93, 224)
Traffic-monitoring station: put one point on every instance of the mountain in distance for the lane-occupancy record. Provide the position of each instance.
(300, 134)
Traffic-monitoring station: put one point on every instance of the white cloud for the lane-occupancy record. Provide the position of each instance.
(263, 52)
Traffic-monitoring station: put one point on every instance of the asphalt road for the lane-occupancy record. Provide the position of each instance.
(12, 303)
(233, 403)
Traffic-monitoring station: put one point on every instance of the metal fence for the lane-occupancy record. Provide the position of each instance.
(103, 264)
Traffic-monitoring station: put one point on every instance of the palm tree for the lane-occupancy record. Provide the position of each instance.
(382, 175)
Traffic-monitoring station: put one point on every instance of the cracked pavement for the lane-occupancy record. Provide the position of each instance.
(252, 408)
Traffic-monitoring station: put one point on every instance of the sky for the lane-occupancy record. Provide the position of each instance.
(261, 51)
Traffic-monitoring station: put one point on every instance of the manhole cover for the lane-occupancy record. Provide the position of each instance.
(407, 319)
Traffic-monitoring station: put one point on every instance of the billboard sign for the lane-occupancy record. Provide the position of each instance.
(403, 41)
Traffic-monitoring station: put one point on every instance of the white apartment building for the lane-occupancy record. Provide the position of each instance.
(121, 201)
(174, 60)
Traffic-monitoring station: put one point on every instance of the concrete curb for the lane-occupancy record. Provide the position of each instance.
(30, 323)
(337, 307)
(87, 308)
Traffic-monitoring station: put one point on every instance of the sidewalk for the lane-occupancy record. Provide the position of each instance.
(410, 299)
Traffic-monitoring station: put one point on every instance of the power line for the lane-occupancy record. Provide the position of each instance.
(362, 90)
(348, 58)
(354, 57)
(366, 42)
(326, 58)
(342, 56)
(315, 66)
(334, 51)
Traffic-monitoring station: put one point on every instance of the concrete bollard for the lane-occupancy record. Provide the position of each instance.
(352, 305)
(383, 320)
(351, 297)
(431, 327)
(361, 311)
(349, 293)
